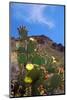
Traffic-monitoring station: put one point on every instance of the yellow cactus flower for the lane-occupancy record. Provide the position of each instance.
(29, 66)
(28, 80)
(35, 49)
(32, 39)
(53, 57)
(54, 61)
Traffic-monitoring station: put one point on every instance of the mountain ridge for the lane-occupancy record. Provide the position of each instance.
(42, 39)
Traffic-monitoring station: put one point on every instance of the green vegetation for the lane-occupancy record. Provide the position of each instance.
(42, 75)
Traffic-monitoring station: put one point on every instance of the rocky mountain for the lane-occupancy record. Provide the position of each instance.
(42, 39)
(45, 44)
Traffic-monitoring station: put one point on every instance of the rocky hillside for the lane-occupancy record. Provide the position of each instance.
(46, 45)
(44, 75)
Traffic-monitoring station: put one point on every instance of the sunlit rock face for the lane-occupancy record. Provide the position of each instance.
(14, 57)
(14, 68)
(14, 71)
(14, 65)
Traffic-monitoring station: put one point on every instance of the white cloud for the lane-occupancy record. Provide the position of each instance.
(36, 15)
(33, 14)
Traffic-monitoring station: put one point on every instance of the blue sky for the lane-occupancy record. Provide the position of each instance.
(39, 19)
